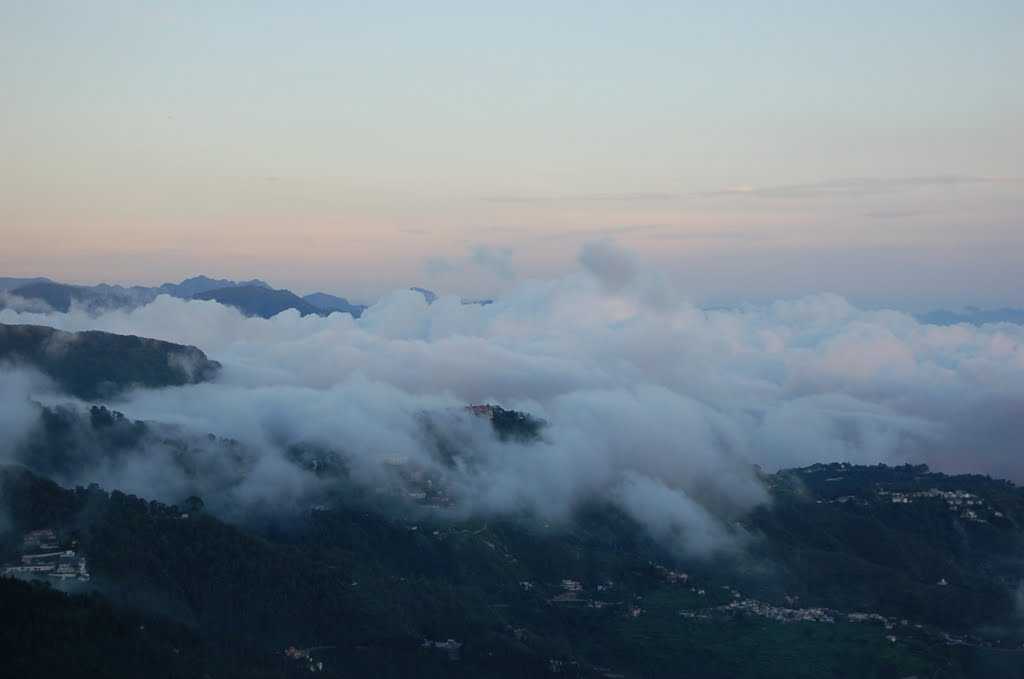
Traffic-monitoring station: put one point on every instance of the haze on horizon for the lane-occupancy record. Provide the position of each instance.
(751, 153)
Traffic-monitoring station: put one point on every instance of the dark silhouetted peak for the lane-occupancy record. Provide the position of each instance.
(57, 296)
(254, 300)
(190, 287)
(428, 295)
(331, 303)
(509, 424)
(94, 299)
(7, 283)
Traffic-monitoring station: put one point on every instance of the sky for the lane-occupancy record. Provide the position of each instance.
(753, 152)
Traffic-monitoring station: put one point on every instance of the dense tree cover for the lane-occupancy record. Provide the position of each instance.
(94, 364)
(371, 578)
(47, 633)
(840, 541)
(365, 580)
(515, 425)
(69, 442)
(365, 587)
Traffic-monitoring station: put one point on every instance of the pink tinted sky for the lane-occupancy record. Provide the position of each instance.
(870, 151)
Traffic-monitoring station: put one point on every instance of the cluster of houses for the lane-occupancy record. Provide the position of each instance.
(782, 614)
(778, 613)
(416, 483)
(786, 614)
(449, 646)
(42, 557)
(304, 656)
(670, 576)
(888, 623)
(572, 593)
(967, 504)
(484, 410)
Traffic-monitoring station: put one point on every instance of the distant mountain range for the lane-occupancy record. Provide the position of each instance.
(190, 287)
(7, 283)
(267, 302)
(253, 298)
(103, 297)
(97, 298)
(257, 298)
(331, 303)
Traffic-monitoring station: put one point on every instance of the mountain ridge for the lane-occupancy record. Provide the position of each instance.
(259, 301)
(257, 298)
(95, 364)
(508, 597)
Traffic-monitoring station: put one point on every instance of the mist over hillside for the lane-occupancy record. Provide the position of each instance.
(650, 401)
(593, 441)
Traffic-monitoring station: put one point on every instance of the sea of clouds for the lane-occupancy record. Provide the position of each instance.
(652, 403)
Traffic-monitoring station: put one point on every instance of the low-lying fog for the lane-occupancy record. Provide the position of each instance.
(651, 402)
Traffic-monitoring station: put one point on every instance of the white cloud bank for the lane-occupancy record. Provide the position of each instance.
(652, 403)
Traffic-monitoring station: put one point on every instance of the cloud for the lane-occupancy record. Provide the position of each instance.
(491, 260)
(611, 265)
(653, 404)
(628, 197)
(673, 517)
(653, 232)
(620, 271)
(8, 300)
(439, 265)
(18, 415)
(860, 186)
(895, 214)
(494, 260)
(672, 234)
(606, 232)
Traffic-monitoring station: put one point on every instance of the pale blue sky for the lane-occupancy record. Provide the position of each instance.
(872, 149)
